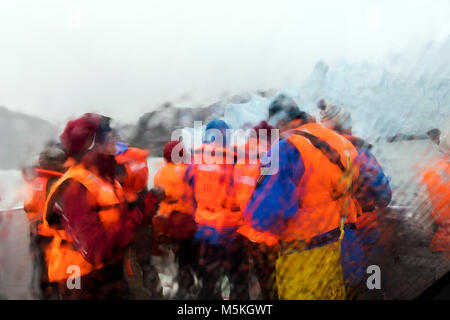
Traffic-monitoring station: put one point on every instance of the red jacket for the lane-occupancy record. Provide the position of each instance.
(81, 218)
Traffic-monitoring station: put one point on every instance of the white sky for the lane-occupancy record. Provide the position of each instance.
(64, 57)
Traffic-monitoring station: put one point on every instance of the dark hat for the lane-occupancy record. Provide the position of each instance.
(283, 103)
(82, 133)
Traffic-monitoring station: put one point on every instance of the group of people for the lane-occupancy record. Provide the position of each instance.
(307, 231)
(85, 213)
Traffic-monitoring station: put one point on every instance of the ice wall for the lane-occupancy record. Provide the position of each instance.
(409, 93)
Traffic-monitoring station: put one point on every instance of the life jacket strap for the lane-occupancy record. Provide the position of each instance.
(327, 150)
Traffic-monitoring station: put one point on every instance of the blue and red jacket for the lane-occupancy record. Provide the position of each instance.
(275, 199)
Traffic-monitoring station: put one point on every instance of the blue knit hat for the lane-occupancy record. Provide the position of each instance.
(217, 124)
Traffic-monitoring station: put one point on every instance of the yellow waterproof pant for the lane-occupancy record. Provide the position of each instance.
(314, 274)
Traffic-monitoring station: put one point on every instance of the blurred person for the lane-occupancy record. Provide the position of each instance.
(175, 218)
(87, 220)
(434, 135)
(307, 204)
(49, 169)
(39, 180)
(373, 192)
(132, 173)
(263, 246)
(221, 249)
(335, 117)
(436, 177)
(246, 169)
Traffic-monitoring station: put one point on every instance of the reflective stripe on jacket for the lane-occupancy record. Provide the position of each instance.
(213, 190)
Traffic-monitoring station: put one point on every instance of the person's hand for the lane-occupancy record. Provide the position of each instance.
(152, 200)
(159, 193)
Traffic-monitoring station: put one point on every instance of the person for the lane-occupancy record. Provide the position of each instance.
(307, 203)
(435, 177)
(49, 169)
(434, 135)
(175, 218)
(39, 179)
(221, 249)
(87, 220)
(335, 117)
(262, 246)
(373, 192)
(132, 173)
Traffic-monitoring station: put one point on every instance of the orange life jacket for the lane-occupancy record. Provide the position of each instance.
(34, 205)
(247, 170)
(178, 194)
(437, 178)
(324, 189)
(135, 162)
(60, 254)
(245, 177)
(216, 201)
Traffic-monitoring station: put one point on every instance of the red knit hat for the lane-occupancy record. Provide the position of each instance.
(80, 133)
(168, 147)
